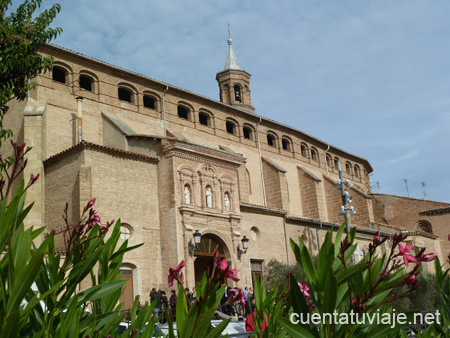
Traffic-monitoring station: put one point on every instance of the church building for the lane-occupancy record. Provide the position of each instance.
(177, 167)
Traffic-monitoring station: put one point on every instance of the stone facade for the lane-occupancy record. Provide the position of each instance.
(147, 144)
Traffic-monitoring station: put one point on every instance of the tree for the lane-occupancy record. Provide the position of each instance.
(21, 35)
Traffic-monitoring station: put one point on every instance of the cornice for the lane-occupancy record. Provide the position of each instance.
(203, 154)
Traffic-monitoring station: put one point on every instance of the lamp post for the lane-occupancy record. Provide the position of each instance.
(197, 241)
(240, 252)
(346, 197)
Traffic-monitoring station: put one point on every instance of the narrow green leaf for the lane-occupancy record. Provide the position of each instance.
(308, 265)
(295, 331)
(24, 279)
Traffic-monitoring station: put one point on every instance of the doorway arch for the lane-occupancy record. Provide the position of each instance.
(204, 255)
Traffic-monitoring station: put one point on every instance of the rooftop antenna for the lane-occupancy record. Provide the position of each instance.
(229, 34)
(376, 185)
(424, 192)
(408, 187)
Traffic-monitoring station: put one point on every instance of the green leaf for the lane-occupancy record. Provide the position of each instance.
(294, 330)
(217, 331)
(12, 327)
(25, 279)
(330, 293)
(308, 265)
(181, 310)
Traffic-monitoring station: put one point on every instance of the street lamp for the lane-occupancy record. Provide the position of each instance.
(240, 252)
(197, 241)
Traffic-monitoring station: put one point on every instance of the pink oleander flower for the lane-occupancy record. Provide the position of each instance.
(405, 253)
(237, 297)
(427, 258)
(96, 218)
(175, 274)
(410, 280)
(304, 288)
(104, 230)
(90, 204)
(230, 273)
(223, 265)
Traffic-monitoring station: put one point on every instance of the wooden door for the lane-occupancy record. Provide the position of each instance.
(127, 297)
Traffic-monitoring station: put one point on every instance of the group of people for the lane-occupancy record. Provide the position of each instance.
(236, 307)
(159, 296)
(232, 309)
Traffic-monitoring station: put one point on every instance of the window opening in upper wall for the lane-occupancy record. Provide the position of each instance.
(59, 75)
(348, 168)
(125, 94)
(183, 112)
(314, 155)
(237, 93)
(357, 171)
(286, 144)
(271, 140)
(328, 159)
(204, 119)
(149, 102)
(304, 150)
(247, 131)
(231, 127)
(85, 83)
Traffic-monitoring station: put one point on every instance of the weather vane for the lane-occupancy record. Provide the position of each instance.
(229, 35)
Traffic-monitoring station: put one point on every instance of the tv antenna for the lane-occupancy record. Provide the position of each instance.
(408, 187)
(375, 185)
(424, 191)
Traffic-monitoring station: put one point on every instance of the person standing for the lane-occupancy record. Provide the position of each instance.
(165, 303)
(173, 304)
(247, 306)
(156, 296)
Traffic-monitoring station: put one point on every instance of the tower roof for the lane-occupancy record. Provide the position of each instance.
(232, 62)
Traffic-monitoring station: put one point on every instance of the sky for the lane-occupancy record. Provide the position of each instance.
(370, 77)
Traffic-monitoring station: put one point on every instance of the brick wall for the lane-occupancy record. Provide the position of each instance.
(310, 207)
(272, 185)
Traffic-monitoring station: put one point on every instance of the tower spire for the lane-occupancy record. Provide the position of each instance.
(232, 62)
(234, 82)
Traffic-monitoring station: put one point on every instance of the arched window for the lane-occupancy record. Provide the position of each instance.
(59, 74)
(85, 82)
(304, 150)
(425, 226)
(248, 132)
(357, 171)
(149, 101)
(125, 94)
(348, 168)
(329, 162)
(314, 154)
(125, 231)
(271, 140)
(231, 127)
(204, 119)
(286, 144)
(183, 112)
(237, 93)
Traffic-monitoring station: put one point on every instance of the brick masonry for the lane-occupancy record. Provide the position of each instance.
(139, 174)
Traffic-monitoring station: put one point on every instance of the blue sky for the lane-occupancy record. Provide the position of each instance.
(370, 77)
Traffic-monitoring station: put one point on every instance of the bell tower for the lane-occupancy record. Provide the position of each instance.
(234, 83)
